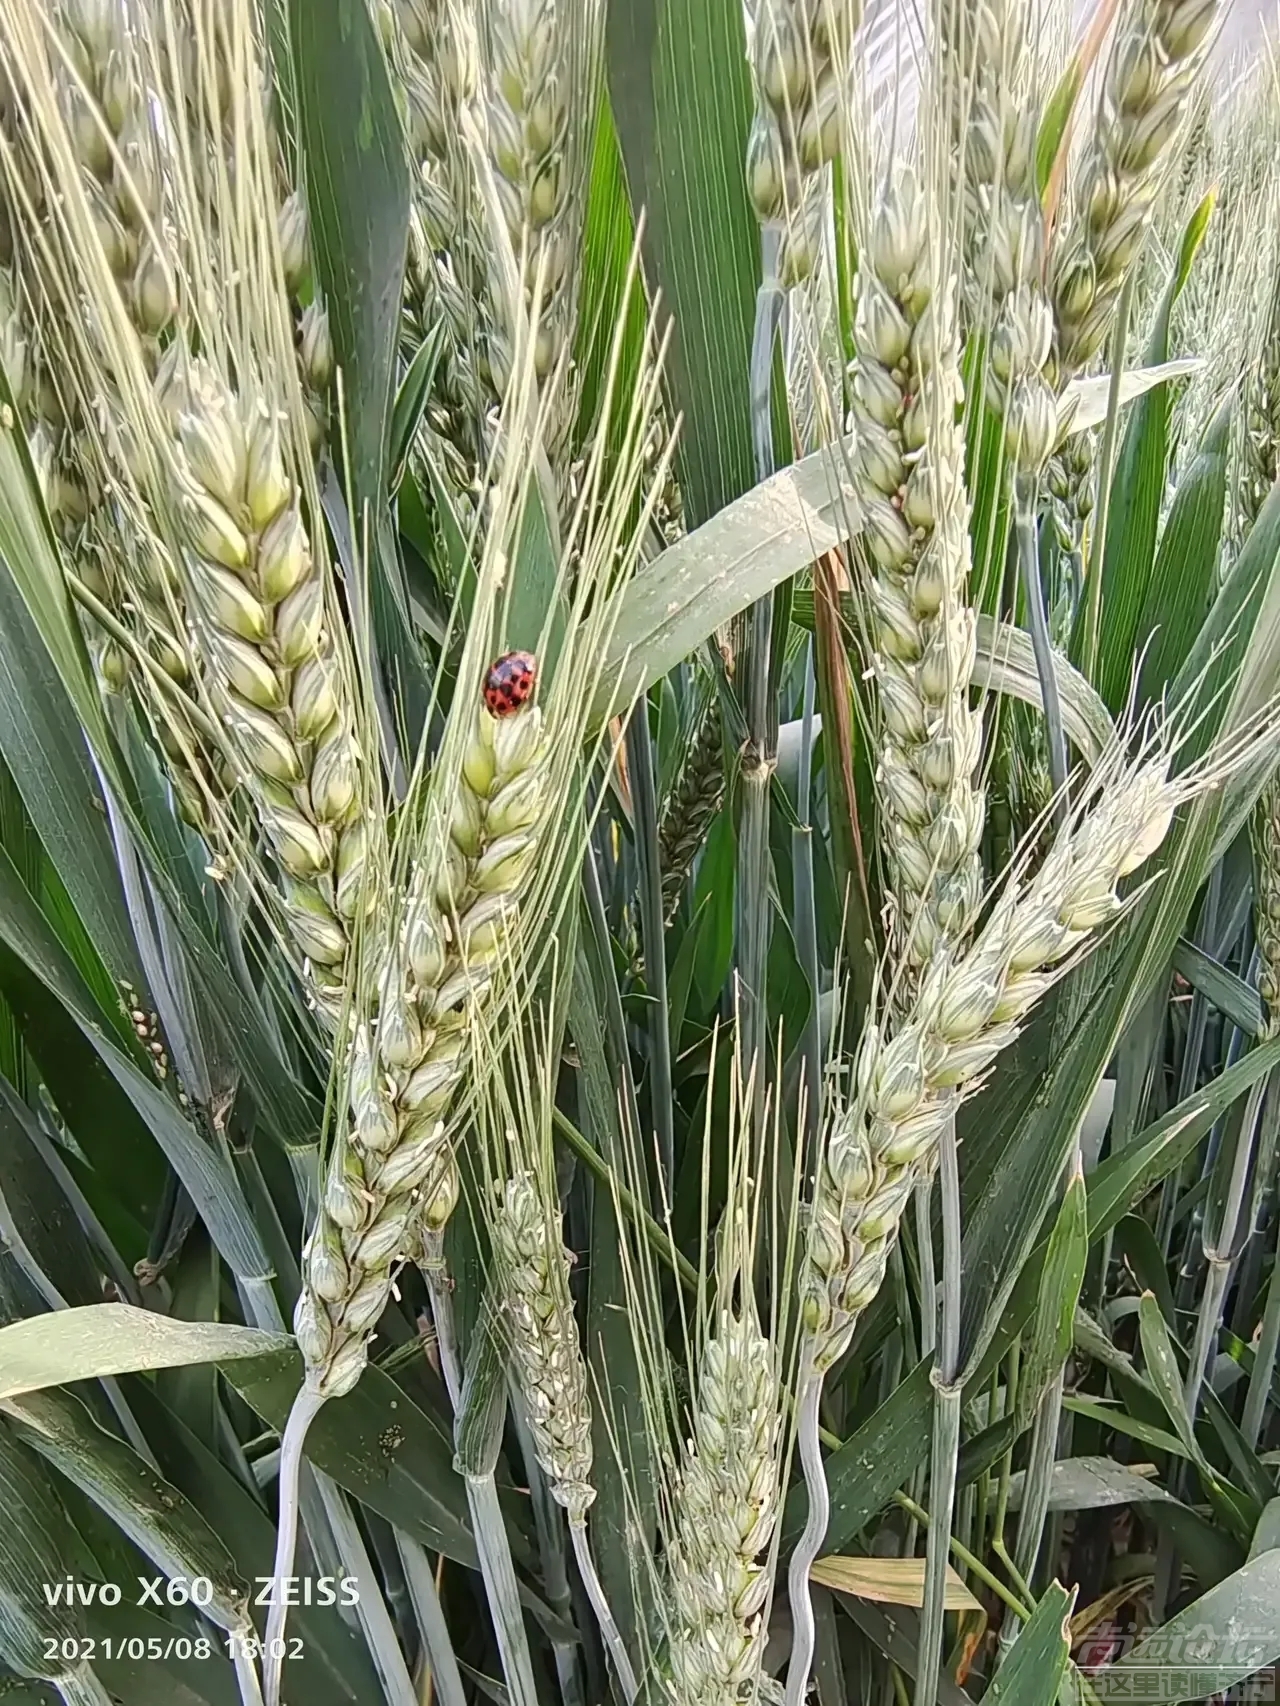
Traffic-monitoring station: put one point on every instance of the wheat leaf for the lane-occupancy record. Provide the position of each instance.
(889, 1581)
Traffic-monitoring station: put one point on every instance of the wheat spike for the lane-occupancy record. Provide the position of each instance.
(432, 53)
(801, 58)
(531, 1283)
(1069, 479)
(271, 665)
(982, 62)
(539, 61)
(112, 131)
(726, 1499)
(1150, 72)
(693, 802)
(95, 119)
(533, 1266)
(911, 1077)
(908, 463)
(392, 1180)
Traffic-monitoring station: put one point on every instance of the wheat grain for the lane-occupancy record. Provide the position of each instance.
(908, 463)
(293, 231)
(315, 347)
(1150, 72)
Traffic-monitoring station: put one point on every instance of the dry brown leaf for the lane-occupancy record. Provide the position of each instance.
(889, 1581)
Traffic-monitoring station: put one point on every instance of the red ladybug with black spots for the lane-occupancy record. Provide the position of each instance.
(510, 682)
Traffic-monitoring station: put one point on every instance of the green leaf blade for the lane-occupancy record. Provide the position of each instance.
(681, 97)
(1032, 1672)
(114, 1338)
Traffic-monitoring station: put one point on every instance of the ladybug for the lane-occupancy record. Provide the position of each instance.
(509, 682)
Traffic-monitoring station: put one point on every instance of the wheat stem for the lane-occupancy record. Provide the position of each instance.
(803, 1558)
(1265, 825)
(806, 914)
(1264, 1364)
(1024, 526)
(446, 1678)
(246, 1671)
(645, 814)
(478, 1429)
(1220, 1243)
(306, 1406)
(82, 1688)
(605, 1619)
(758, 762)
(502, 1590)
(1106, 464)
(1038, 1482)
(371, 1605)
(947, 1393)
(553, 1558)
